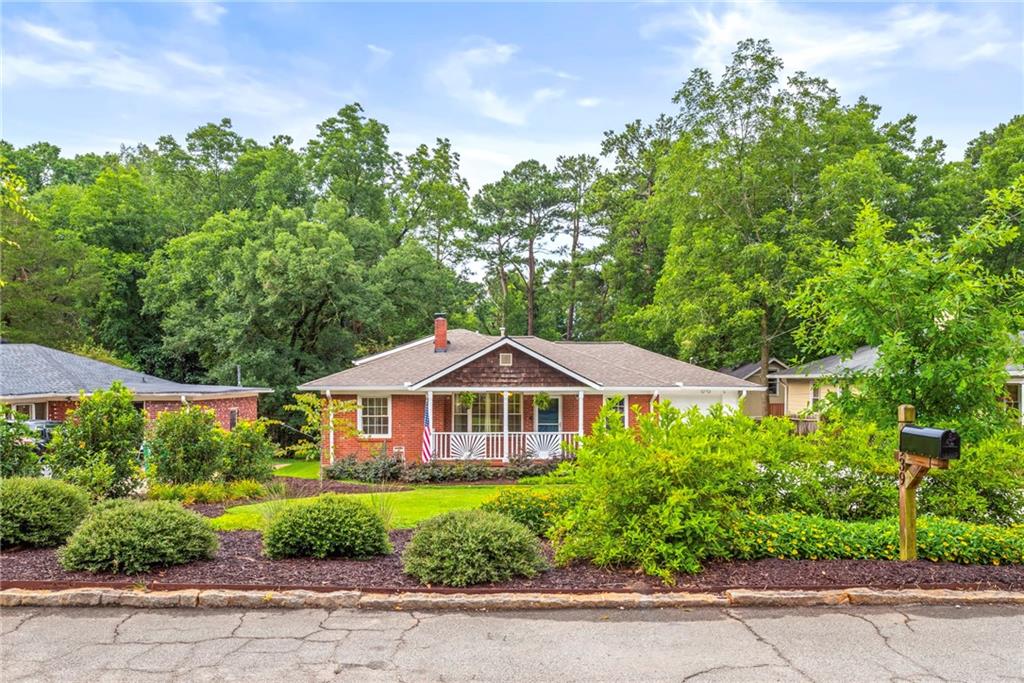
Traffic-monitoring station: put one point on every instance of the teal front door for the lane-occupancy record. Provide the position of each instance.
(547, 419)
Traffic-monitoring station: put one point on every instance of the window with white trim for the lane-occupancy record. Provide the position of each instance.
(232, 418)
(375, 415)
(32, 411)
(485, 414)
(773, 386)
(618, 404)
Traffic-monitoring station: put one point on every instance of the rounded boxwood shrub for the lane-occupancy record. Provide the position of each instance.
(39, 512)
(467, 547)
(330, 525)
(133, 537)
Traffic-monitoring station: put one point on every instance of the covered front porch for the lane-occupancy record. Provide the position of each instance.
(496, 424)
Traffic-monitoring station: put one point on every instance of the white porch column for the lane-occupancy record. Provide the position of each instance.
(579, 413)
(330, 426)
(504, 426)
(430, 421)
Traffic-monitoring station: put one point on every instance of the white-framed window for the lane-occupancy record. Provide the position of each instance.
(374, 415)
(485, 414)
(619, 404)
(232, 418)
(816, 397)
(32, 411)
(773, 386)
(505, 360)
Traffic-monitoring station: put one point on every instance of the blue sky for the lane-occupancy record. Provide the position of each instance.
(503, 82)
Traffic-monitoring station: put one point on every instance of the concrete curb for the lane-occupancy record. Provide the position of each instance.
(296, 599)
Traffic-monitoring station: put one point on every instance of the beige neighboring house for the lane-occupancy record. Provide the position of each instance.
(751, 372)
(804, 386)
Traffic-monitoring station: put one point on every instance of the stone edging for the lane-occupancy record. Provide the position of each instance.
(294, 599)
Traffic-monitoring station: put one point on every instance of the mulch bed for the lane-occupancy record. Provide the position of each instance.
(239, 559)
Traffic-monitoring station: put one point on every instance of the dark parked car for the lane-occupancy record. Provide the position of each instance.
(43, 432)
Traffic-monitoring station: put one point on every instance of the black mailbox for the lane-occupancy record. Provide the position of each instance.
(930, 442)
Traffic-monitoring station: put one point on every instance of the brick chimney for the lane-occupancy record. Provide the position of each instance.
(440, 333)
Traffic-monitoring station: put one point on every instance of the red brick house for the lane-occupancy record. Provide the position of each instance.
(497, 397)
(44, 383)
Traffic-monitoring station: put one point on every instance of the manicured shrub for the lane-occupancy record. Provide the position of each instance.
(330, 525)
(98, 446)
(468, 547)
(439, 472)
(135, 537)
(39, 512)
(248, 452)
(18, 457)
(537, 510)
(380, 468)
(808, 537)
(187, 445)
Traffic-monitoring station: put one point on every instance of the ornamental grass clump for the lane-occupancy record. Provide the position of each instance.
(468, 547)
(39, 512)
(330, 525)
(133, 537)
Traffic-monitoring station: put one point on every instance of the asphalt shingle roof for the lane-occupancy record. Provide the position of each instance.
(607, 364)
(34, 370)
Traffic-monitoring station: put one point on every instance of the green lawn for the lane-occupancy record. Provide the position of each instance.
(407, 507)
(303, 469)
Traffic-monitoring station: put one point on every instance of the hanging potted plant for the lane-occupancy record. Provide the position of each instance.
(542, 400)
(467, 399)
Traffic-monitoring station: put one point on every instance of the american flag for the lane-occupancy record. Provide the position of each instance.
(426, 453)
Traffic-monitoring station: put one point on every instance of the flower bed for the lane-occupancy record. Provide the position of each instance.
(239, 561)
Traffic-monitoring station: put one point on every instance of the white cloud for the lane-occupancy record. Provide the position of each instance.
(48, 34)
(848, 48)
(458, 74)
(462, 75)
(589, 102)
(547, 94)
(379, 56)
(186, 62)
(207, 12)
(169, 75)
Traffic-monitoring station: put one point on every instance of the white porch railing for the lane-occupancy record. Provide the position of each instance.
(492, 445)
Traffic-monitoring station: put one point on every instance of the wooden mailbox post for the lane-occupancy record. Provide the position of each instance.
(914, 465)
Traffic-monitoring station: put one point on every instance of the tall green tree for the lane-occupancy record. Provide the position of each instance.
(757, 184)
(576, 176)
(518, 214)
(432, 201)
(350, 159)
(944, 324)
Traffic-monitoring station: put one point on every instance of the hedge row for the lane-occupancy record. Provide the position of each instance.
(383, 469)
(808, 537)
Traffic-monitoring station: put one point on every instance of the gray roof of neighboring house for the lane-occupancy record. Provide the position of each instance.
(34, 370)
(605, 364)
(862, 359)
(747, 369)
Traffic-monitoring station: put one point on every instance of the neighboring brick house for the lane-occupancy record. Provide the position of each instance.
(493, 398)
(44, 384)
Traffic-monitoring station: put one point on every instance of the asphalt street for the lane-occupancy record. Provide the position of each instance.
(819, 644)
